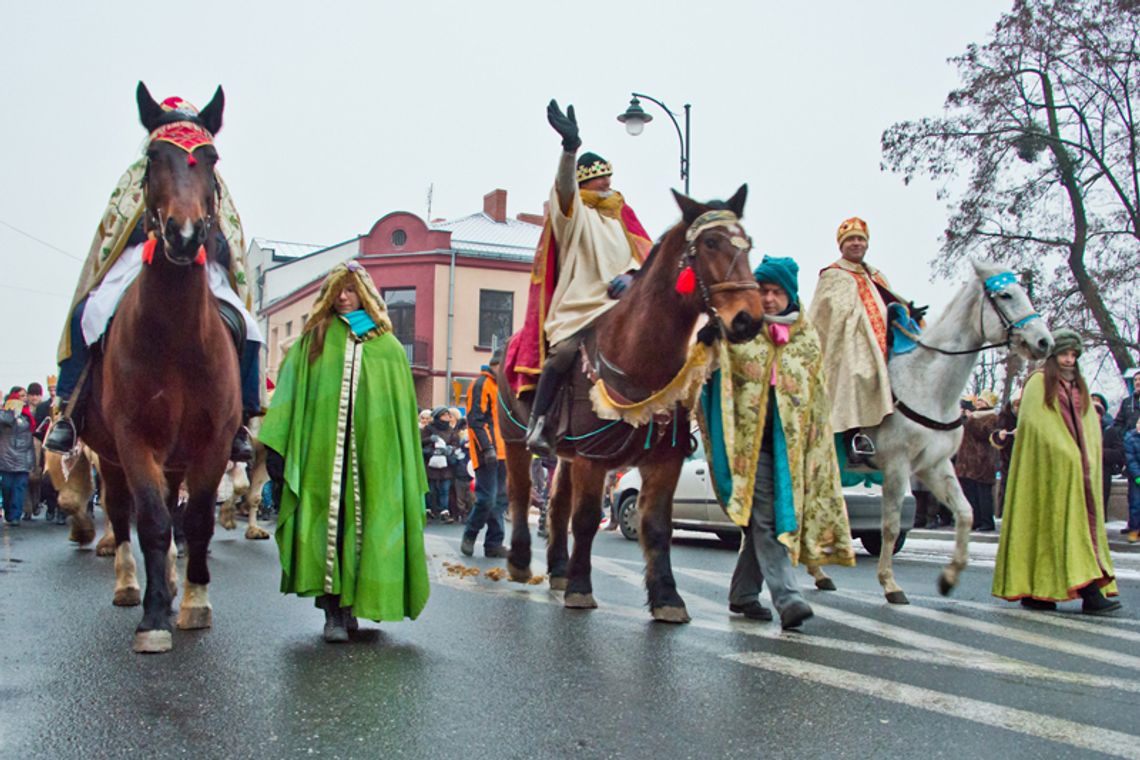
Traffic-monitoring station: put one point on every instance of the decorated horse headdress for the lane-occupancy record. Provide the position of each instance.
(370, 300)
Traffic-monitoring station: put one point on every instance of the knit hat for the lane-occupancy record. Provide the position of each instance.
(1065, 339)
(782, 271)
(592, 166)
(852, 226)
(438, 412)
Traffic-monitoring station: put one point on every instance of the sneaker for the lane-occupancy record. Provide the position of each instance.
(751, 610)
(1134, 536)
(498, 552)
(795, 614)
(467, 546)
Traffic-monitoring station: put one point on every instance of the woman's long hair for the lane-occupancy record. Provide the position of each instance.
(324, 310)
(1052, 371)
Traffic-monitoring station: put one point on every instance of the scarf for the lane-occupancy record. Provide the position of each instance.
(359, 322)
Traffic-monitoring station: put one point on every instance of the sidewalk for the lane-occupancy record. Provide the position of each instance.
(1117, 542)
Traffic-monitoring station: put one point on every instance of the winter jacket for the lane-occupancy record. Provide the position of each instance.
(1132, 454)
(977, 459)
(483, 420)
(439, 442)
(17, 451)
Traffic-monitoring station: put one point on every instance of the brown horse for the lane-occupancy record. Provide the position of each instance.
(165, 401)
(637, 347)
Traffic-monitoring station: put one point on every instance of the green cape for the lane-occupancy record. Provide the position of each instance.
(1046, 548)
(381, 570)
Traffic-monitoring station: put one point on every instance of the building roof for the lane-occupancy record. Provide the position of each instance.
(479, 233)
(284, 250)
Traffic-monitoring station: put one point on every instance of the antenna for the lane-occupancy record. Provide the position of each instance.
(431, 190)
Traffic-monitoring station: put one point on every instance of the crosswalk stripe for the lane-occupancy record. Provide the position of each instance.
(1051, 643)
(1079, 735)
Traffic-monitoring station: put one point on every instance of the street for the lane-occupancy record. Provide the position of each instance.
(497, 669)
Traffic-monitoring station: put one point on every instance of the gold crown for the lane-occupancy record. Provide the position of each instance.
(594, 170)
(852, 226)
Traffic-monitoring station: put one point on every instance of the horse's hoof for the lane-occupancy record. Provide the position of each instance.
(558, 583)
(256, 534)
(897, 597)
(193, 618)
(81, 534)
(670, 614)
(127, 597)
(105, 549)
(153, 642)
(579, 601)
(518, 574)
(825, 584)
(944, 586)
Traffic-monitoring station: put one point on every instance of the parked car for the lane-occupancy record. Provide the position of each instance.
(695, 507)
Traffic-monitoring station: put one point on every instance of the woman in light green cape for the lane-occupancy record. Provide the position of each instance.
(1053, 545)
(343, 417)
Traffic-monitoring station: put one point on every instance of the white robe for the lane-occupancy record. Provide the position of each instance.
(104, 299)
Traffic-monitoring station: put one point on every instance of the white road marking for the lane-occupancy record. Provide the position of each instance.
(1079, 735)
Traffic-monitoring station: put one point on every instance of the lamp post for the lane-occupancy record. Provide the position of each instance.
(635, 118)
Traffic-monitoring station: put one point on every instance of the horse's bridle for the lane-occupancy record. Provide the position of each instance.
(993, 287)
(706, 221)
(153, 216)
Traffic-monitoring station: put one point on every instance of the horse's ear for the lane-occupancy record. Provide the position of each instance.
(149, 111)
(690, 209)
(984, 269)
(736, 202)
(211, 115)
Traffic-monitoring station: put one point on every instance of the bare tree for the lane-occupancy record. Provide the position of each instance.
(1037, 151)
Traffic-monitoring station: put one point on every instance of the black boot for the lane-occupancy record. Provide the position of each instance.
(537, 437)
(1093, 602)
(62, 437)
(242, 448)
(335, 631)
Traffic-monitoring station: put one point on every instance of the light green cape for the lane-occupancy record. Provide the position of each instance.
(1046, 550)
(381, 570)
(811, 516)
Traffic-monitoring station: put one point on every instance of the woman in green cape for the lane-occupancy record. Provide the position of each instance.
(343, 418)
(1053, 546)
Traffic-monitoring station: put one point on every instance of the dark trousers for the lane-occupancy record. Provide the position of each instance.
(439, 496)
(13, 486)
(981, 498)
(490, 504)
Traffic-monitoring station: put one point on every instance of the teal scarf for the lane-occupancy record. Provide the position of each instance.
(359, 322)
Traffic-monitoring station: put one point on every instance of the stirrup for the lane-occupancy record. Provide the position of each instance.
(61, 438)
(536, 438)
(862, 445)
(241, 450)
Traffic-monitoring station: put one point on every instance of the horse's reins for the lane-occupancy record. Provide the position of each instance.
(994, 286)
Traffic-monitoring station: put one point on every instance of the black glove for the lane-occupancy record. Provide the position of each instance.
(916, 312)
(710, 332)
(618, 285)
(565, 125)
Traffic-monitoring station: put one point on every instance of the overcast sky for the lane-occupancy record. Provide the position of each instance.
(338, 113)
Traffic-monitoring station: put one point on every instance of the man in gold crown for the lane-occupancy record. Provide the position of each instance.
(849, 310)
(591, 245)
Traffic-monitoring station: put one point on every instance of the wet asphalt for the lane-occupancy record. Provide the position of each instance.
(493, 669)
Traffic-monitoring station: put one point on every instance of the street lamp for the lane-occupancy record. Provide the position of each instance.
(635, 118)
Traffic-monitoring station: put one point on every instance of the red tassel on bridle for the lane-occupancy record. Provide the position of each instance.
(148, 250)
(200, 259)
(686, 281)
(190, 160)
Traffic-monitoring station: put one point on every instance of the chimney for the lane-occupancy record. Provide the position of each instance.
(495, 205)
(534, 219)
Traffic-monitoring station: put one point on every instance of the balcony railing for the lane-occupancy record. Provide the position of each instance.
(417, 352)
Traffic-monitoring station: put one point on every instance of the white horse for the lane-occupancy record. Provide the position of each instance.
(924, 432)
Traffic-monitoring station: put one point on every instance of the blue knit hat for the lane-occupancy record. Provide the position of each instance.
(781, 271)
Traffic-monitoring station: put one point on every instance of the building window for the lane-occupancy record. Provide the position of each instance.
(399, 237)
(288, 328)
(402, 311)
(496, 315)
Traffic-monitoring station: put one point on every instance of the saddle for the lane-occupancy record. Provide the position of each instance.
(576, 426)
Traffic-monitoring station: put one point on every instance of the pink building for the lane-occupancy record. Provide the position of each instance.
(455, 290)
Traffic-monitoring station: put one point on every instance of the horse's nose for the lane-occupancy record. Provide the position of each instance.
(1044, 345)
(188, 231)
(743, 326)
